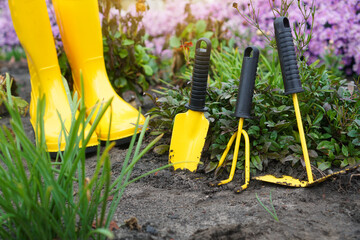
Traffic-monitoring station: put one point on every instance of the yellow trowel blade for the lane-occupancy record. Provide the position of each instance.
(188, 139)
(293, 182)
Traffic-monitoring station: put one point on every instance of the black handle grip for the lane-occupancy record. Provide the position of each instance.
(247, 82)
(287, 56)
(200, 76)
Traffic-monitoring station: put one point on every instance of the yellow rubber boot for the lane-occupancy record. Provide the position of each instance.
(81, 35)
(32, 25)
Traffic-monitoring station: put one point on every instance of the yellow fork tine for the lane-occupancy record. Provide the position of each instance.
(302, 138)
(228, 146)
(247, 162)
(236, 153)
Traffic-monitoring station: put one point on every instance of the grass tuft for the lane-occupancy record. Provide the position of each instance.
(45, 199)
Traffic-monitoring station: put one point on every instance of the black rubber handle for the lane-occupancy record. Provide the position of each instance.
(200, 76)
(247, 82)
(287, 56)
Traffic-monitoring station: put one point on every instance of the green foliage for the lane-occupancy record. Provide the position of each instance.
(333, 62)
(16, 53)
(330, 112)
(170, 102)
(7, 85)
(186, 35)
(191, 32)
(44, 199)
(192, 29)
(331, 107)
(128, 63)
(225, 65)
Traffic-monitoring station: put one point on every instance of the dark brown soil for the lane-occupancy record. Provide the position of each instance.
(181, 205)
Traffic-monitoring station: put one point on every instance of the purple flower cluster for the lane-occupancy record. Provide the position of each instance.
(8, 37)
(338, 22)
(336, 25)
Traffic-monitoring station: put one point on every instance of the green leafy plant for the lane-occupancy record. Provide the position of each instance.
(44, 199)
(225, 65)
(332, 61)
(7, 84)
(271, 212)
(191, 31)
(16, 53)
(187, 33)
(129, 64)
(171, 100)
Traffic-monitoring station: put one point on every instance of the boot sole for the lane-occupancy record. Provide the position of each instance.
(88, 151)
(122, 143)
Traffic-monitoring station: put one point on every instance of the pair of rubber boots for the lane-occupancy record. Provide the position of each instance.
(80, 30)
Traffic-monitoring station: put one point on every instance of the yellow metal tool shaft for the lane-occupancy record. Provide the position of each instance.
(236, 153)
(302, 138)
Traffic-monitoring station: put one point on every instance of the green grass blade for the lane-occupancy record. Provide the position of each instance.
(273, 214)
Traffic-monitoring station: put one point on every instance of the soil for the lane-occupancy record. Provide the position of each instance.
(182, 205)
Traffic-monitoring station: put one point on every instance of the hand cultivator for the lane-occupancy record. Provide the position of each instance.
(243, 107)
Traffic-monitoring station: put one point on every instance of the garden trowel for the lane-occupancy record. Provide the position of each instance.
(190, 128)
(292, 84)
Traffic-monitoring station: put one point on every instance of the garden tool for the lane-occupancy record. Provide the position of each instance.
(242, 110)
(81, 35)
(190, 128)
(32, 25)
(292, 84)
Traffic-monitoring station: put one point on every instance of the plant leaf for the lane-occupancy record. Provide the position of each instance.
(127, 42)
(345, 151)
(325, 165)
(161, 149)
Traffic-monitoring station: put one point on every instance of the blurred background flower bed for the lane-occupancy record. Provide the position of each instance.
(336, 25)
